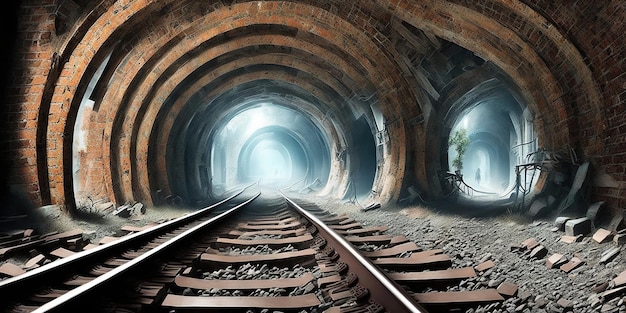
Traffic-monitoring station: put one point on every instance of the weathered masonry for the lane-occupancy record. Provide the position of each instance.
(134, 100)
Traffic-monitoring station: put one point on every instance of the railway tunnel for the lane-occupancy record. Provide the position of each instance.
(148, 101)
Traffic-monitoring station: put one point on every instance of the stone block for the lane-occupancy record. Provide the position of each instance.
(579, 226)
(560, 222)
(507, 289)
(602, 235)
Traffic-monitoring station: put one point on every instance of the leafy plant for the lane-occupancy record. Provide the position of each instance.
(460, 141)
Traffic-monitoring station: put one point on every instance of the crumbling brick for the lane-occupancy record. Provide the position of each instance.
(602, 235)
(571, 265)
(556, 260)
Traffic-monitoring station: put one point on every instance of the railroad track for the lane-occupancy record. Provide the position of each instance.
(261, 254)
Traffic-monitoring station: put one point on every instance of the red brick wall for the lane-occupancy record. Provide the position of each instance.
(568, 56)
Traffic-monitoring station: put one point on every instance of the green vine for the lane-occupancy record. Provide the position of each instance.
(460, 141)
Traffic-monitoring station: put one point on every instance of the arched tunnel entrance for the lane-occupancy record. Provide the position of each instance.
(490, 138)
(274, 145)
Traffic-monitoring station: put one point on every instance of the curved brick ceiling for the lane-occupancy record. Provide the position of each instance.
(174, 70)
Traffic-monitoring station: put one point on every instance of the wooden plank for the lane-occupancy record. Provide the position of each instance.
(458, 297)
(441, 275)
(432, 261)
(199, 283)
(292, 225)
(362, 231)
(376, 239)
(238, 259)
(346, 226)
(298, 241)
(392, 251)
(289, 232)
(192, 302)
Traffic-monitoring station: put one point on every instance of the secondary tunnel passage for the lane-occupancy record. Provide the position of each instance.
(490, 136)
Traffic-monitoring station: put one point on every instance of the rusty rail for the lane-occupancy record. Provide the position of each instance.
(383, 290)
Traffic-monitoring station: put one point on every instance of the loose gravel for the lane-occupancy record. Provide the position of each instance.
(471, 241)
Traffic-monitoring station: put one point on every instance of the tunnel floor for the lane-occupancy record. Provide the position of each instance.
(468, 240)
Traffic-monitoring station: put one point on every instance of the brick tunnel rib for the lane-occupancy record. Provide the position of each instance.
(353, 58)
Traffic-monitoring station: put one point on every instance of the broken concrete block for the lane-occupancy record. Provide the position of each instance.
(507, 289)
(608, 255)
(579, 226)
(560, 222)
(571, 239)
(539, 252)
(602, 235)
(556, 260)
(571, 265)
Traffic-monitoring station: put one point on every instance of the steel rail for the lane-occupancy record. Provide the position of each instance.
(17, 284)
(383, 291)
(66, 302)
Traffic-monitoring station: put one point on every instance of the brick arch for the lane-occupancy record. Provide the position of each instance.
(537, 56)
(391, 93)
(218, 110)
(171, 128)
(181, 74)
